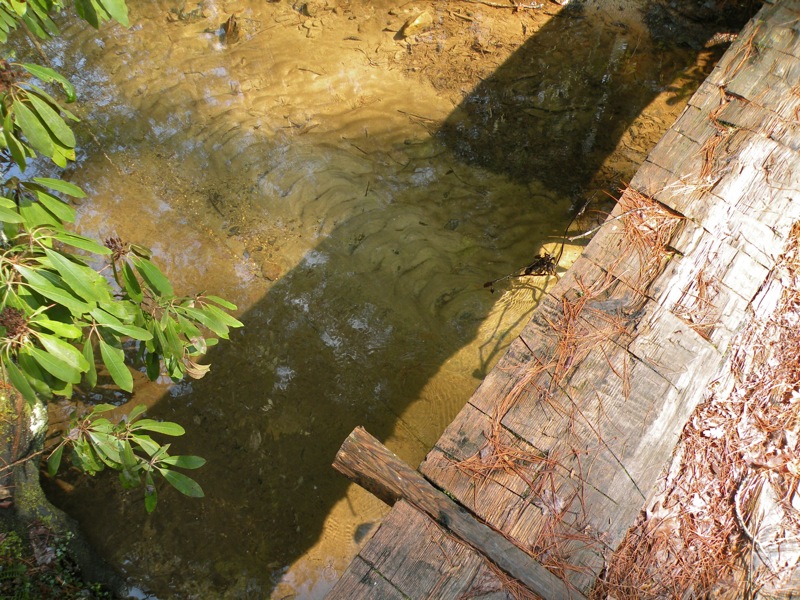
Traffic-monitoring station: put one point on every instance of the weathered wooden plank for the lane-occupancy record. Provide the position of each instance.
(524, 359)
(742, 114)
(740, 51)
(787, 133)
(782, 32)
(361, 581)
(695, 125)
(706, 98)
(678, 154)
(475, 437)
(496, 498)
(752, 82)
(419, 558)
(370, 464)
(722, 221)
(674, 350)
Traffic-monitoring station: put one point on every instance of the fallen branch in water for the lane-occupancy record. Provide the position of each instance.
(532, 5)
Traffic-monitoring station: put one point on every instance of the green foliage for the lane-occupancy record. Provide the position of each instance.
(33, 121)
(97, 443)
(58, 313)
(36, 14)
(41, 569)
(69, 304)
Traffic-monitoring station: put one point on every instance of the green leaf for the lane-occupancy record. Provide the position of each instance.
(42, 282)
(85, 458)
(175, 368)
(102, 425)
(20, 7)
(85, 282)
(99, 409)
(153, 365)
(114, 360)
(60, 209)
(204, 318)
(131, 283)
(35, 214)
(124, 310)
(129, 478)
(174, 344)
(54, 121)
(141, 251)
(14, 146)
(186, 327)
(61, 155)
(107, 320)
(78, 241)
(35, 375)
(221, 301)
(53, 365)
(35, 89)
(184, 462)
(48, 75)
(185, 485)
(107, 448)
(19, 381)
(91, 373)
(33, 129)
(8, 215)
(59, 185)
(35, 26)
(153, 276)
(165, 427)
(117, 9)
(136, 333)
(129, 460)
(146, 443)
(64, 351)
(223, 316)
(61, 329)
(54, 460)
(137, 411)
(39, 9)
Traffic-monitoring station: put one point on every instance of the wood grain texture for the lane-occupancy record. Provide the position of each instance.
(366, 461)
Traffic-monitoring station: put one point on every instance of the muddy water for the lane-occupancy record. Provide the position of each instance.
(352, 204)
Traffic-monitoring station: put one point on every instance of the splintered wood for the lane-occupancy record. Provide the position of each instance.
(562, 445)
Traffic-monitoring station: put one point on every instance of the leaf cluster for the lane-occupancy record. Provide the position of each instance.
(69, 303)
(57, 311)
(97, 443)
(35, 14)
(32, 119)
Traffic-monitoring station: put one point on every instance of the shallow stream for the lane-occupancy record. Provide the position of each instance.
(351, 191)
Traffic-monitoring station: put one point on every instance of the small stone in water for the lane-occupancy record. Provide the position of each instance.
(418, 24)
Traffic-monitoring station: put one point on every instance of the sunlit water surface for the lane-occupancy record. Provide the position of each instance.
(353, 213)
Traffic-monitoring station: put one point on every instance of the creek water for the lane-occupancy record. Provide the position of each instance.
(351, 191)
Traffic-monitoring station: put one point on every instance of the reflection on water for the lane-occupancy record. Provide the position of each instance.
(353, 214)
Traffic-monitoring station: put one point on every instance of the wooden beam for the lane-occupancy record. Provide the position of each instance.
(363, 459)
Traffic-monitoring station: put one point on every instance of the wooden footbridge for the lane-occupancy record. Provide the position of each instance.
(541, 474)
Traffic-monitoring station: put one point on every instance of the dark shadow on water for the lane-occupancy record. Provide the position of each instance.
(282, 397)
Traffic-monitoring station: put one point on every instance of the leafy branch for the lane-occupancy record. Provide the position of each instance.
(97, 443)
(69, 303)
